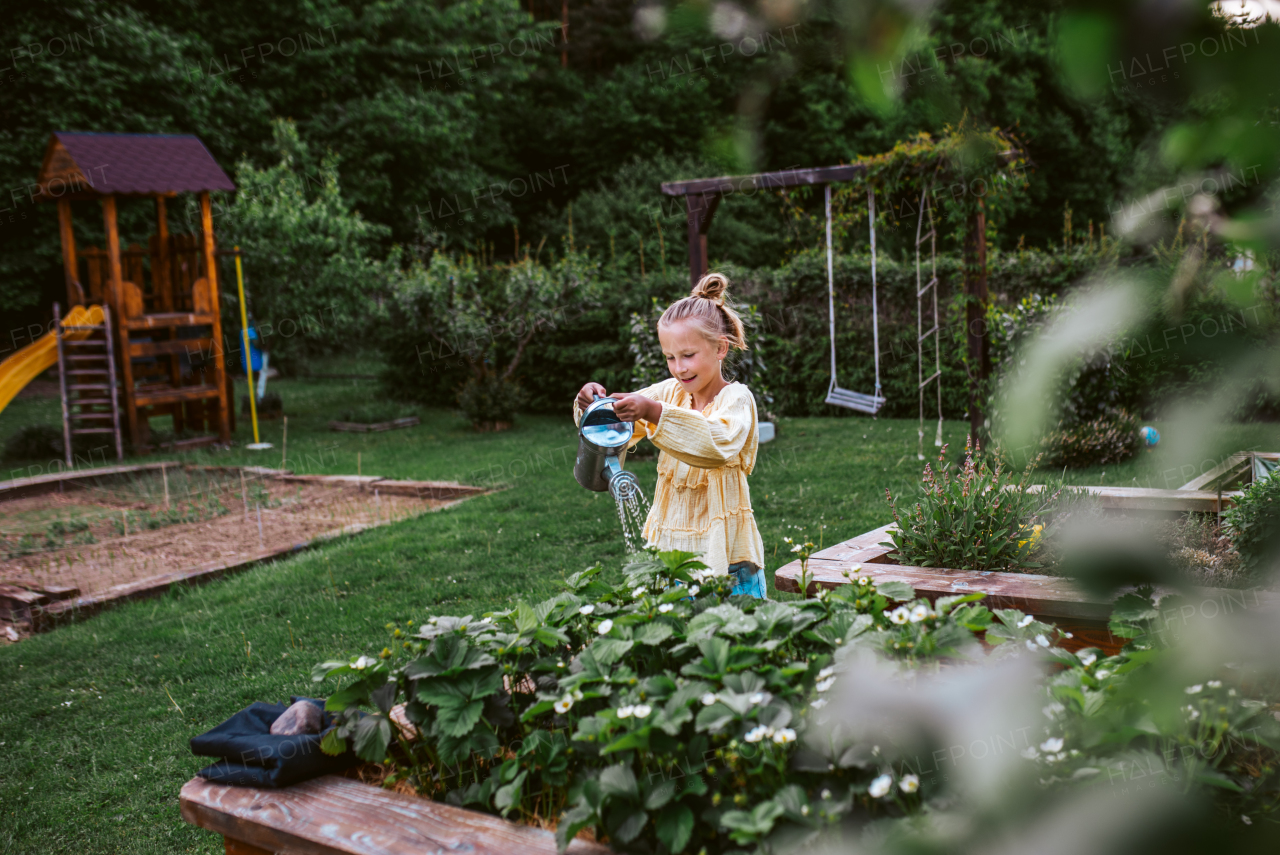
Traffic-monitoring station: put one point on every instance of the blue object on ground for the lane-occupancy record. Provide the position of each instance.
(1149, 436)
(254, 353)
(253, 757)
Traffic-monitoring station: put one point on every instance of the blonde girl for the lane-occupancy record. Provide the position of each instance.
(706, 430)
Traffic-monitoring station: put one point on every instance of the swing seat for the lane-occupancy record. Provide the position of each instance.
(859, 401)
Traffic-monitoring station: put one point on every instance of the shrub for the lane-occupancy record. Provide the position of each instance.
(976, 519)
(1254, 523)
(1111, 438)
(489, 399)
(661, 712)
(45, 442)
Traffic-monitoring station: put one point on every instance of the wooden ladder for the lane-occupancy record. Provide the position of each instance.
(87, 368)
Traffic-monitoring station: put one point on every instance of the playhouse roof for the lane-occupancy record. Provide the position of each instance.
(83, 165)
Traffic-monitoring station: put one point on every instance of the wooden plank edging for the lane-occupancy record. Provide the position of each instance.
(339, 816)
(375, 427)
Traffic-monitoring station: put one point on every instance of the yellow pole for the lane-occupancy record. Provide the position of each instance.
(248, 357)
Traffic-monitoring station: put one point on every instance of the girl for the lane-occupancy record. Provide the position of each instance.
(706, 430)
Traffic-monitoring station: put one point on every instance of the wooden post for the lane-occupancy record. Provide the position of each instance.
(114, 298)
(211, 272)
(160, 272)
(975, 315)
(701, 208)
(70, 271)
(62, 378)
(564, 33)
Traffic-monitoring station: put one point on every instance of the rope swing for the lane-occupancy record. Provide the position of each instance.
(859, 401)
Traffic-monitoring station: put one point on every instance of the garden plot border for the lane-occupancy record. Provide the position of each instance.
(45, 607)
(341, 816)
(375, 427)
(1053, 599)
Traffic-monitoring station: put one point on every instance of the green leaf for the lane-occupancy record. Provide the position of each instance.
(328, 669)
(384, 697)
(618, 781)
(333, 744)
(675, 826)
(573, 821)
(636, 739)
(550, 636)
(896, 591)
(631, 827)
(654, 633)
(664, 792)
(373, 734)
(734, 621)
(609, 650)
(508, 796)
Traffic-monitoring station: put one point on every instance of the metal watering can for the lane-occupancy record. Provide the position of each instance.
(602, 449)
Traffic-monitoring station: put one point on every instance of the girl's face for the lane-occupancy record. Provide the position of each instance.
(692, 358)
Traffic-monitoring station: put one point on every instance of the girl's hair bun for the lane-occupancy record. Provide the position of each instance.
(708, 308)
(712, 287)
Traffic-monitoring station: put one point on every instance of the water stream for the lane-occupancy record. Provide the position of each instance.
(633, 509)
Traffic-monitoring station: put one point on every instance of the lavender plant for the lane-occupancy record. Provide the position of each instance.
(977, 518)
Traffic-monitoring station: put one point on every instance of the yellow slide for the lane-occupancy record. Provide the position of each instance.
(27, 364)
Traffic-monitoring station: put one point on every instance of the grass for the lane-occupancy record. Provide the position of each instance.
(93, 734)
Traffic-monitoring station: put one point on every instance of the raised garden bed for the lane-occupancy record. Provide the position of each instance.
(377, 427)
(76, 542)
(340, 816)
(1053, 599)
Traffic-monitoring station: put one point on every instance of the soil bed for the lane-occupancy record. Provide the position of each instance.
(99, 537)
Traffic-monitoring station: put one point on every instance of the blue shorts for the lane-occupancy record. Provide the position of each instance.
(748, 579)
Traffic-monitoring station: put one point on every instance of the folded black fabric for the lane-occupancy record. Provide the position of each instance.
(252, 757)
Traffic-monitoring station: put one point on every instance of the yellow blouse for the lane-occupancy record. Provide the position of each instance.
(702, 503)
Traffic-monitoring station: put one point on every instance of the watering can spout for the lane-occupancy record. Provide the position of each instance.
(602, 447)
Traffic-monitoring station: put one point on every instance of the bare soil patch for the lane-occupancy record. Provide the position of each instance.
(100, 534)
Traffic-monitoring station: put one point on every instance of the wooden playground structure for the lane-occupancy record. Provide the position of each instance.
(159, 350)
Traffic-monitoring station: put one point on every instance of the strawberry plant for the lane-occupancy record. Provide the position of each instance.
(661, 712)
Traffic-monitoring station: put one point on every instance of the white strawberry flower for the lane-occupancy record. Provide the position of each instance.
(605, 627)
(819, 703)
(1088, 659)
(881, 786)
(1042, 641)
(563, 705)
(693, 591)
(665, 607)
(364, 662)
(919, 613)
(1025, 622)
(823, 685)
(826, 672)
(638, 592)
(785, 735)
(1215, 684)
(643, 710)
(708, 699)
(626, 712)
(587, 609)
(899, 615)
(1051, 745)
(755, 734)
(1194, 690)
(909, 783)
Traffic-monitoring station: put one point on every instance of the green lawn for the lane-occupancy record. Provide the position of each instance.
(94, 728)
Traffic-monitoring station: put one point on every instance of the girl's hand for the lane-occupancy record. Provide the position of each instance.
(632, 407)
(587, 394)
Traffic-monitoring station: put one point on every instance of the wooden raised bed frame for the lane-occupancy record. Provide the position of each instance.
(376, 427)
(1053, 599)
(340, 816)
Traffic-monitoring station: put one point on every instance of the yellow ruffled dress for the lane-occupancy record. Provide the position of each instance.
(702, 503)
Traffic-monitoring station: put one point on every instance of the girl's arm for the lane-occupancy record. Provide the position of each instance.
(707, 442)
